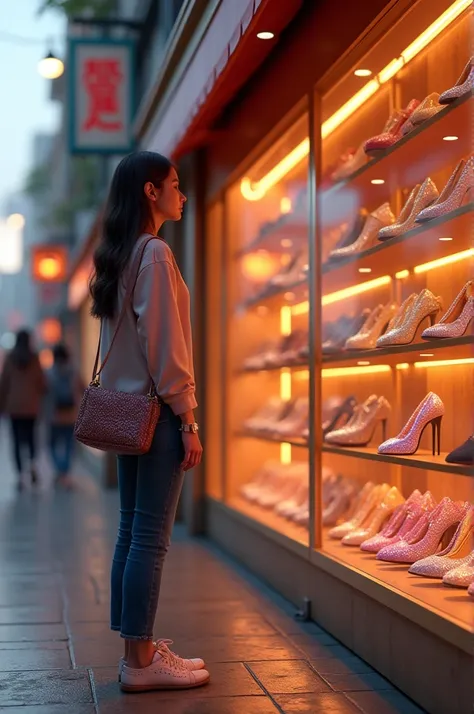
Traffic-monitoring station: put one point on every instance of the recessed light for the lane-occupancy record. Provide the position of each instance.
(365, 270)
(426, 354)
(363, 72)
(363, 363)
(377, 182)
(265, 35)
(450, 138)
(286, 242)
(446, 239)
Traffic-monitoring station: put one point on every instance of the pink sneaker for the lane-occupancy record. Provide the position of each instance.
(191, 664)
(165, 672)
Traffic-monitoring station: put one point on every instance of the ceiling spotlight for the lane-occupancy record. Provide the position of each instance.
(450, 138)
(445, 239)
(377, 182)
(365, 270)
(363, 72)
(265, 35)
(50, 67)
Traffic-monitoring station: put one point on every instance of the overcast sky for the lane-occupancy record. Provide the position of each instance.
(24, 104)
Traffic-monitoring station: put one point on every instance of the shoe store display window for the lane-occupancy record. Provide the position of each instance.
(267, 408)
(395, 234)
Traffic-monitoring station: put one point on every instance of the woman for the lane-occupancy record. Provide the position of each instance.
(64, 387)
(153, 343)
(22, 386)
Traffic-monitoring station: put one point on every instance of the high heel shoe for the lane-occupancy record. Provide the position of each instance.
(462, 576)
(392, 130)
(439, 531)
(340, 415)
(428, 108)
(463, 86)
(455, 322)
(368, 237)
(373, 327)
(459, 190)
(456, 554)
(379, 517)
(463, 454)
(425, 196)
(338, 505)
(429, 411)
(402, 522)
(351, 165)
(360, 431)
(425, 305)
(362, 507)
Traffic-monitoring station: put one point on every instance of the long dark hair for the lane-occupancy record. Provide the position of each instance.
(22, 353)
(126, 214)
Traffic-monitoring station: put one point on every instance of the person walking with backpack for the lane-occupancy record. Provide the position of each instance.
(64, 389)
(22, 387)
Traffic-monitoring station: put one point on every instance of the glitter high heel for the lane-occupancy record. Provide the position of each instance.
(425, 306)
(360, 430)
(455, 322)
(362, 508)
(379, 517)
(403, 521)
(424, 197)
(440, 529)
(373, 327)
(392, 131)
(428, 108)
(429, 411)
(460, 189)
(368, 237)
(463, 86)
(456, 554)
(462, 576)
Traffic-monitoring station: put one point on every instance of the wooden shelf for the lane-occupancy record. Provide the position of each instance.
(418, 246)
(294, 366)
(429, 592)
(455, 348)
(423, 459)
(298, 290)
(270, 519)
(289, 227)
(301, 443)
(406, 163)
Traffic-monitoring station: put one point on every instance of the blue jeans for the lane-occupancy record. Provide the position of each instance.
(61, 443)
(149, 486)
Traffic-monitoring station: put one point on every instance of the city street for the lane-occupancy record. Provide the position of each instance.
(57, 655)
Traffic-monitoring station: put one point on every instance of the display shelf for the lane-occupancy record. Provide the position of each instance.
(452, 602)
(423, 459)
(408, 162)
(270, 519)
(455, 348)
(294, 292)
(288, 228)
(295, 441)
(418, 246)
(294, 366)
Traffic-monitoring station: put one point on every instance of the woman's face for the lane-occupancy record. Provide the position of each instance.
(169, 199)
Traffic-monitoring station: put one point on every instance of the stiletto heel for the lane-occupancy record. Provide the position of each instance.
(360, 430)
(404, 332)
(384, 429)
(436, 434)
(430, 410)
(455, 322)
(433, 318)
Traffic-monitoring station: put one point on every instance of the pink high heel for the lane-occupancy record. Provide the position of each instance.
(400, 524)
(456, 554)
(460, 189)
(462, 576)
(463, 86)
(382, 513)
(455, 322)
(392, 131)
(429, 411)
(440, 529)
(363, 507)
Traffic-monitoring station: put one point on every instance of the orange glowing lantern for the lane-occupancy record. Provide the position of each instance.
(260, 265)
(46, 358)
(49, 263)
(50, 331)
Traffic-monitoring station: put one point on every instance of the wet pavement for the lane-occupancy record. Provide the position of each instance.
(57, 655)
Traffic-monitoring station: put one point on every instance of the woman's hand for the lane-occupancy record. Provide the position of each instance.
(192, 450)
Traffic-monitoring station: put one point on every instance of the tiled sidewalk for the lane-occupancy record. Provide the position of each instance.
(57, 655)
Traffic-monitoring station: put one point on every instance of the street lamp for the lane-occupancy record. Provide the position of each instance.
(51, 67)
(16, 221)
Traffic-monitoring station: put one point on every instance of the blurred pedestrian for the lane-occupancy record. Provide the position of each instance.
(22, 387)
(152, 344)
(64, 392)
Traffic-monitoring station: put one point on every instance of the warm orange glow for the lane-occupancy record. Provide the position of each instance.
(260, 266)
(444, 261)
(402, 274)
(46, 358)
(285, 453)
(285, 385)
(50, 330)
(444, 363)
(285, 205)
(351, 371)
(285, 321)
(49, 263)
(355, 290)
(300, 309)
(256, 191)
(402, 365)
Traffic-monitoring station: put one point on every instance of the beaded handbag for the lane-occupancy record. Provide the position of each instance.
(118, 421)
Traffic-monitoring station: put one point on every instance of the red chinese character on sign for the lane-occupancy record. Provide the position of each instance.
(102, 80)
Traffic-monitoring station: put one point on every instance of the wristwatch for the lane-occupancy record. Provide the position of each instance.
(189, 428)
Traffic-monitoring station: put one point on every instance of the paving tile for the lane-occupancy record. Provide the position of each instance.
(29, 615)
(357, 682)
(32, 633)
(237, 649)
(315, 703)
(46, 687)
(333, 665)
(313, 649)
(207, 624)
(148, 704)
(21, 595)
(22, 660)
(288, 677)
(390, 702)
(227, 680)
(52, 709)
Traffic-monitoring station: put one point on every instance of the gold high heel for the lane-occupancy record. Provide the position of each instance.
(425, 305)
(427, 194)
(373, 327)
